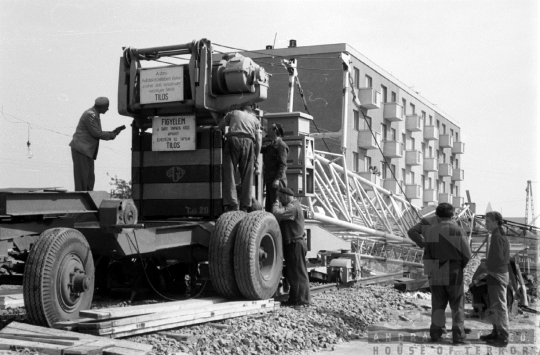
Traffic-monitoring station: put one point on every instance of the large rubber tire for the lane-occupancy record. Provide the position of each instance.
(221, 254)
(58, 279)
(258, 279)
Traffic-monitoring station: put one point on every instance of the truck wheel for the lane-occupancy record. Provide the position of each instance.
(258, 255)
(221, 257)
(58, 278)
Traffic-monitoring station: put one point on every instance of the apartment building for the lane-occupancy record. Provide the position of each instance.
(421, 144)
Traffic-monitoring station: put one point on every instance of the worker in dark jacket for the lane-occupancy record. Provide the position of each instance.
(418, 232)
(446, 254)
(85, 144)
(289, 214)
(275, 157)
(498, 258)
(240, 152)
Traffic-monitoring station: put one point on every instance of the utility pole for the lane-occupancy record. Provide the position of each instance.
(529, 194)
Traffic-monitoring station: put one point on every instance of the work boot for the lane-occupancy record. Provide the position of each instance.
(499, 342)
(488, 337)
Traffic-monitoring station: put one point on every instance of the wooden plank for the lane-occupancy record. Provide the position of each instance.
(123, 351)
(22, 327)
(42, 336)
(227, 306)
(83, 350)
(11, 292)
(42, 348)
(187, 191)
(118, 312)
(71, 324)
(40, 340)
(186, 323)
(201, 317)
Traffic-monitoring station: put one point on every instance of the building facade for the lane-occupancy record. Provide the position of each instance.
(422, 146)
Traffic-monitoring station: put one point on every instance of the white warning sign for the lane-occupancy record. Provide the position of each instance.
(173, 133)
(162, 84)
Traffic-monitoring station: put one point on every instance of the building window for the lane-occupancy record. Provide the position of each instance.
(438, 155)
(457, 163)
(413, 143)
(355, 161)
(403, 138)
(423, 150)
(393, 134)
(403, 176)
(424, 115)
(451, 132)
(383, 169)
(404, 103)
(357, 77)
(384, 93)
(457, 137)
(443, 187)
(430, 152)
(423, 179)
(393, 169)
(430, 120)
(413, 108)
(368, 163)
(457, 191)
(412, 178)
(356, 116)
(369, 81)
(451, 160)
(367, 122)
(443, 128)
(451, 188)
(443, 157)
(383, 132)
(429, 183)
(438, 124)
(394, 97)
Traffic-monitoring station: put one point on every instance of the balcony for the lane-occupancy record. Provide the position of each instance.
(431, 164)
(414, 123)
(369, 98)
(458, 201)
(392, 186)
(413, 191)
(393, 111)
(366, 140)
(446, 141)
(445, 170)
(447, 198)
(458, 148)
(458, 175)
(431, 133)
(393, 149)
(368, 175)
(430, 195)
(413, 157)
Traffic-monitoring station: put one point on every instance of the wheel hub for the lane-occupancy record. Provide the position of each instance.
(73, 282)
(267, 256)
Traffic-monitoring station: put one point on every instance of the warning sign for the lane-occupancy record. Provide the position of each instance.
(173, 133)
(162, 84)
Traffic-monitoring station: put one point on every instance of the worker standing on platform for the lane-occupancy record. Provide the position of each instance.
(289, 214)
(241, 151)
(85, 144)
(446, 254)
(275, 157)
(498, 259)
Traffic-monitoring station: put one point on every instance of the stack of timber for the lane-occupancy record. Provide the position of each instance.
(11, 299)
(128, 321)
(17, 336)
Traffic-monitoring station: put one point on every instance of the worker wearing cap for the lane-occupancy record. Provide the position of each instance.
(85, 144)
(240, 152)
(275, 157)
(446, 254)
(288, 212)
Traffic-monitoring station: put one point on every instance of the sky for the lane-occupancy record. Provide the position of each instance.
(477, 60)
